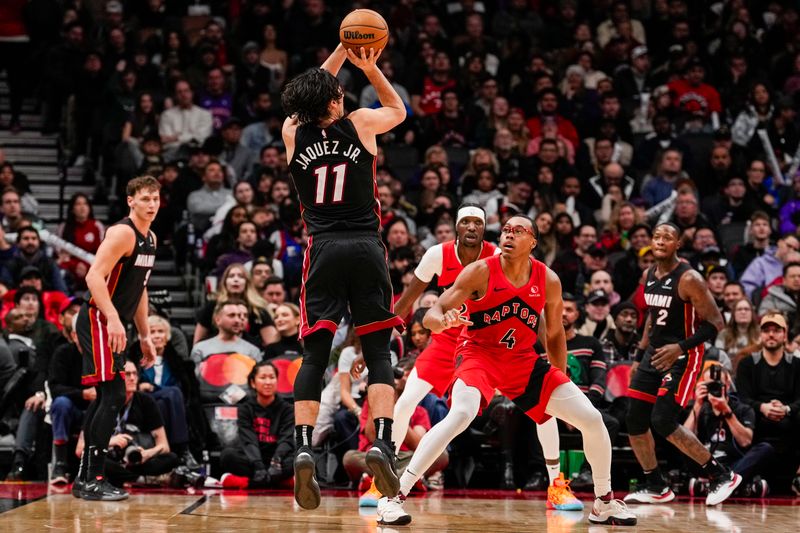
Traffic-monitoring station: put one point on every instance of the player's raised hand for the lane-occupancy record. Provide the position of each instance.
(364, 61)
(454, 319)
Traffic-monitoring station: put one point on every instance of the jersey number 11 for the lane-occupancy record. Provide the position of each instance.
(338, 182)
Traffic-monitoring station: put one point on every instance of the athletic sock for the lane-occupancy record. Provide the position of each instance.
(655, 478)
(97, 459)
(383, 430)
(714, 469)
(302, 435)
(553, 470)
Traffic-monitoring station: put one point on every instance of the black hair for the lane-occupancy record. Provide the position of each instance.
(22, 291)
(568, 297)
(252, 375)
(27, 229)
(787, 266)
(671, 225)
(274, 280)
(404, 252)
(308, 95)
(534, 227)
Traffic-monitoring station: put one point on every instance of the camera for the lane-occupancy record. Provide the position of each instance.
(133, 455)
(714, 386)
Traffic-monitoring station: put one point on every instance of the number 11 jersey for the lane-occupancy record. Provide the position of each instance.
(334, 175)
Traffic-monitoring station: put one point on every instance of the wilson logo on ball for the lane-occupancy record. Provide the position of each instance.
(357, 35)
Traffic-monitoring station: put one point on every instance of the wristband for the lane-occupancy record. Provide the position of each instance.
(638, 354)
(728, 415)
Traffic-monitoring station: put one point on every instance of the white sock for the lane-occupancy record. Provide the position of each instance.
(413, 393)
(548, 438)
(572, 406)
(465, 403)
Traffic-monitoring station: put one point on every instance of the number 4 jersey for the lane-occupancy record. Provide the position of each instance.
(506, 319)
(672, 319)
(334, 175)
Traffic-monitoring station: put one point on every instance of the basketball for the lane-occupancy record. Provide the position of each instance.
(363, 27)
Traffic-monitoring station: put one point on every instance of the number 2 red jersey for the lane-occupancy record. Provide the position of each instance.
(506, 318)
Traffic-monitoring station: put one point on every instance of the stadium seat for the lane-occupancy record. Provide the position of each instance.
(617, 380)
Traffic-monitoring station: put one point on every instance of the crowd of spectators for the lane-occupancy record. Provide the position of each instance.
(597, 118)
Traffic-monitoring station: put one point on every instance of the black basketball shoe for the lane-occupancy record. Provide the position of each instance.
(306, 488)
(381, 463)
(101, 490)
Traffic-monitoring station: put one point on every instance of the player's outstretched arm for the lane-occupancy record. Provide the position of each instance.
(445, 313)
(118, 243)
(393, 112)
(556, 339)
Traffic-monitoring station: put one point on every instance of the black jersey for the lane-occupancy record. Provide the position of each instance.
(335, 178)
(128, 278)
(672, 319)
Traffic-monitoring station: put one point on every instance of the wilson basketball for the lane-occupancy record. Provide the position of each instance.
(364, 27)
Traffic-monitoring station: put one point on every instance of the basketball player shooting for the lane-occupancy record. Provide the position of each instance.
(682, 316)
(117, 282)
(499, 301)
(332, 161)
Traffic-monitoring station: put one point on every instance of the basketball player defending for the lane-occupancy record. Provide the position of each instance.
(332, 161)
(500, 300)
(117, 281)
(682, 315)
(433, 369)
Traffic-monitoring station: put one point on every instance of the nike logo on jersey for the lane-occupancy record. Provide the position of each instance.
(141, 243)
(650, 283)
(450, 269)
(498, 289)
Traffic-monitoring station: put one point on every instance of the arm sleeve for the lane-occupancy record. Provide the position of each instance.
(247, 435)
(430, 264)
(597, 374)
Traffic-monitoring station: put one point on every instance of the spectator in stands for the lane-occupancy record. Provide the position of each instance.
(61, 70)
(274, 58)
(418, 337)
(203, 203)
(29, 252)
(230, 318)
(84, 231)
(756, 114)
(626, 271)
(19, 181)
(260, 271)
(726, 424)
(731, 206)
(547, 107)
(659, 187)
(756, 244)
(789, 214)
(426, 97)
(183, 122)
(757, 191)
(239, 159)
(769, 382)
(620, 342)
(221, 238)
(569, 260)
(140, 429)
(52, 301)
(259, 328)
(142, 122)
(216, 98)
(623, 218)
(740, 337)
(687, 214)
(783, 297)
(600, 279)
(274, 292)
(692, 95)
(70, 398)
(451, 126)
(610, 175)
(246, 238)
(598, 318)
(287, 322)
(763, 270)
(13, 216)
(265, 452)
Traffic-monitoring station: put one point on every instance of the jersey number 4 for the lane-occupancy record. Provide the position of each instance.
(338, 182)
(508, 339)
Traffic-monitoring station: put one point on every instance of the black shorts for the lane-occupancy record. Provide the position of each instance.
(344, 270)
(649, 384)
(99, 364)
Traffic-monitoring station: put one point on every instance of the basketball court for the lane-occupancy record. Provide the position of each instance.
(30, 507)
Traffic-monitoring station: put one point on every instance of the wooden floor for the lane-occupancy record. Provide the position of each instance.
(31, 508)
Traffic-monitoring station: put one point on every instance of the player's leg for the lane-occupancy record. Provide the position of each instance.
(465, 404)
(559, 495)
(568, 403)
(415, 390)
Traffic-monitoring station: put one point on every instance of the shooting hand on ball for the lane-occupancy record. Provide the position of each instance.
(364, 61)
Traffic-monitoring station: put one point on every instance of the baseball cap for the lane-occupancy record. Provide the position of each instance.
(711, 251)
(713, 269)
(596, 251)
(645, 250)
(75, 300)
(638, 52)
(774, 318)
(29, 272)
(597, 296)
(232, 121)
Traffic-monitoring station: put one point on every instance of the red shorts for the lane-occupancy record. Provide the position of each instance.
(527, 379)
(435, 364)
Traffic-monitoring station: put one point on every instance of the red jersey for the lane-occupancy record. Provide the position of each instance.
(506, 318)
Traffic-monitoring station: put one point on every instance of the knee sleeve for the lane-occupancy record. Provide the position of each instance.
(316, 353)
(638, 419)
(665, 416)
(375, 346)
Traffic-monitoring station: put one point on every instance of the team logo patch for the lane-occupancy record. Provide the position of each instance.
(534, 290)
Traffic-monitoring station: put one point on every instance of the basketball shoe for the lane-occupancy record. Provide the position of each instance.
(380, 461)
(612, 512)
(722, 486)
(306, 489)
(370, 497)
(560, 496)
(391, 512)
(650, 494)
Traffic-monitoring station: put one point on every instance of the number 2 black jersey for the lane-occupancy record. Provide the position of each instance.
(672, 319)
(335, 178)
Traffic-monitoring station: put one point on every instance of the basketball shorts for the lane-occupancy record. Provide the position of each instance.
(99, 364)
(527, 379)
(341, 271)
(649, 384)
(435, 364)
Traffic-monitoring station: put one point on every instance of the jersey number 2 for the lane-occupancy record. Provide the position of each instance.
(338, 182)
(661, 319)
(508, 339)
